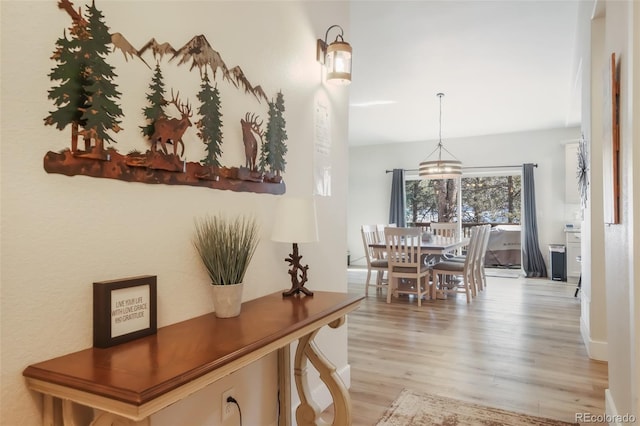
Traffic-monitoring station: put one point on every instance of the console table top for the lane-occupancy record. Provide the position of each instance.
(139, 371)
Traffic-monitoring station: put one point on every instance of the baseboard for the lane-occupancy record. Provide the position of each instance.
(611, 412)
(595, 349)
(321, 395)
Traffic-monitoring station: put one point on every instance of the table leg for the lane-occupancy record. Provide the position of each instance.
(284, 386)
(48, 415)
(308, 413)
(68, 417)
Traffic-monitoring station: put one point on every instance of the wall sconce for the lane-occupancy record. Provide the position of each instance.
(336, 57)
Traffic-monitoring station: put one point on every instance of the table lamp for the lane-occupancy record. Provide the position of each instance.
(295, 222)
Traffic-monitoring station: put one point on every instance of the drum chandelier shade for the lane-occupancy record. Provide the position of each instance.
(440, 168)
(336, 58)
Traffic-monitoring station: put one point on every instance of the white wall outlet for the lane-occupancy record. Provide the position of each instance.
(227, 408)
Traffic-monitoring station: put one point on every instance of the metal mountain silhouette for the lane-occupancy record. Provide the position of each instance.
(239, 79)
(199, 52)
(121, 43)
(158, 49)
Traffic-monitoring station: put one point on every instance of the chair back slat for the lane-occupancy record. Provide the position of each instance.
(375, 257)
(444, 229)
(473, 249)
(381, 227)
(403, 246)
(370, 236)
(404, 255)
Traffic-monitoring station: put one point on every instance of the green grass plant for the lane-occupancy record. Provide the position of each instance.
(226, 246)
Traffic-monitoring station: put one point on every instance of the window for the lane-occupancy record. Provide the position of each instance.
(433, 200)
(485, 199)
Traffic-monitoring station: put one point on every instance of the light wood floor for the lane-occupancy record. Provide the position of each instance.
(517, 346)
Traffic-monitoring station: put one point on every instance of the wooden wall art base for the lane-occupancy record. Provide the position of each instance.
(156, 168)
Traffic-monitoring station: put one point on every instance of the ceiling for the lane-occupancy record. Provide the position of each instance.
(503, 66)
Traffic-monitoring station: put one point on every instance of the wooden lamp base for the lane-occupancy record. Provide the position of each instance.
(298, 274)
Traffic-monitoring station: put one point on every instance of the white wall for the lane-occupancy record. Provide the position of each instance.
(622, 275)
(60, 234)
(370, 186)
(593, 317)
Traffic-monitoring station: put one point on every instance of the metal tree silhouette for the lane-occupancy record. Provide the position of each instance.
(70, 96)
(102, 113)
(210, 125)
(274, 148)
(157, 102)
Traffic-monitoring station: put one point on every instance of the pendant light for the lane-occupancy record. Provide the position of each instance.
(440, 168)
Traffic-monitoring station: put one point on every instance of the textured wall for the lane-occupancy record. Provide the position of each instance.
(60, 234)
(619, 253)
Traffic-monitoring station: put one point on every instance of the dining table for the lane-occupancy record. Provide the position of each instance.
(433, 249)
(436, 245)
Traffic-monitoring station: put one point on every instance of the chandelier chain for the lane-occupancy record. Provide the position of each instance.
(440, 169)
(440, 95)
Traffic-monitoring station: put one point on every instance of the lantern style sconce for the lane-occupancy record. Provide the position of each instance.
(336, 57)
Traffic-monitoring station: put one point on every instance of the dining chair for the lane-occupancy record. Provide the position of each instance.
(480, 276)
(380, 227)
(465, 270)
(408, 273)
(444, 229)
(376, 261)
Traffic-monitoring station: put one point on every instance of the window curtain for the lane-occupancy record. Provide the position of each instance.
(397, 206)
(532, 259)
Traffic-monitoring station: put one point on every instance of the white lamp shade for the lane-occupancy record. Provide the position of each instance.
(295, 221)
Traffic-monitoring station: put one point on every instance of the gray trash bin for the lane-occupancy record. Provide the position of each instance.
(558, 262)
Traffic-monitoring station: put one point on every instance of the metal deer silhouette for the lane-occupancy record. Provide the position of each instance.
(170, 130)
(250, 125)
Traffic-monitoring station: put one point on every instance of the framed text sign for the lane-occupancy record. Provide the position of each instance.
(124, 310)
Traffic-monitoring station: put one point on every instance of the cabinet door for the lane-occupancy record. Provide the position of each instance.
(573, 251)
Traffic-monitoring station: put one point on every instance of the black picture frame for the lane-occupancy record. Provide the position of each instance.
(124, 310)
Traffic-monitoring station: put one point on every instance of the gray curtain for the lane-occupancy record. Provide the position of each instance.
(532, 259)
(397, 207)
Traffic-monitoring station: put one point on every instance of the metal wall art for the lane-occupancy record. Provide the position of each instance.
(86, 100)
(611, 150)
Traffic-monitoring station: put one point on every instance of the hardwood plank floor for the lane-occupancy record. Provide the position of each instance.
(517, 346)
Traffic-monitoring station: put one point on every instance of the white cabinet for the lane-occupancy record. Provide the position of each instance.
(573, 252)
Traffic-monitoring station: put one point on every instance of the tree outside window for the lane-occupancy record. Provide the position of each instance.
(432, 200)
(491, 199)
(494, 199)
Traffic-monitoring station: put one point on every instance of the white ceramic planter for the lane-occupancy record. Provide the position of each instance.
(227, 300)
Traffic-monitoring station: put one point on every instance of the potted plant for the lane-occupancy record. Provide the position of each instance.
(226, 247)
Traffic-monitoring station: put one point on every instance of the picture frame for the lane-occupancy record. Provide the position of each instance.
(124, 310)
(611, 147)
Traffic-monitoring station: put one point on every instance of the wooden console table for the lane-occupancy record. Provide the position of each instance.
(127, 383)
